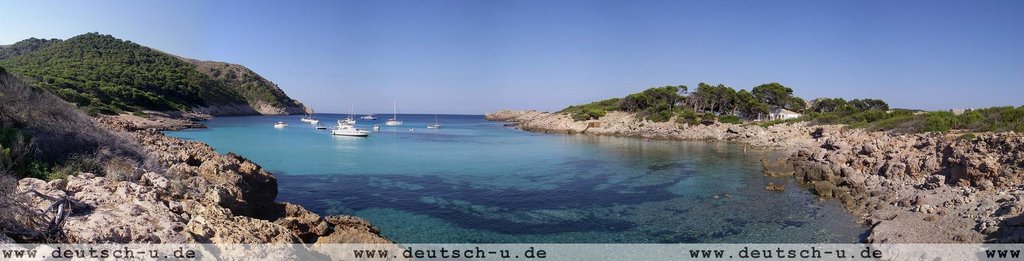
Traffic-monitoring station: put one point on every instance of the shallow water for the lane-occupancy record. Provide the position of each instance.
(478, 181)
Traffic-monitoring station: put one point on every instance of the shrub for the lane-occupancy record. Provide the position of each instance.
(708, 118)
(687, 116)
(660, 113)
(938, 122)
(594, 110)
(76, 164)
(971, 120)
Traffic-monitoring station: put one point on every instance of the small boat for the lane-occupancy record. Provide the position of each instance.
(394, 120)
(435, 125)
(280, 124)
(350, 120)
(321, 127)
(309, 118)
(349, 130)
(376, 127)
(369, 117)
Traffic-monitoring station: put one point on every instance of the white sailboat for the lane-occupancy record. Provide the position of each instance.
(350, 120)
(394, 120)
(435, 125)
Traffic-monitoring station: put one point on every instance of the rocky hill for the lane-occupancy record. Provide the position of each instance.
(105, 75)
(261, 94)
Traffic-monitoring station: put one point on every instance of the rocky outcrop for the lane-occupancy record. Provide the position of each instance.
(200, 197)
(628, 125)
(906, 186)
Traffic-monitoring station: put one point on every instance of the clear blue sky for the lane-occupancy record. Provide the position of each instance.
(478, 56)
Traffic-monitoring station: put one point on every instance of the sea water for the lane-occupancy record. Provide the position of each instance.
(475, 181)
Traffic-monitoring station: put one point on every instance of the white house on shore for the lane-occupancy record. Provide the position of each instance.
(782, 114)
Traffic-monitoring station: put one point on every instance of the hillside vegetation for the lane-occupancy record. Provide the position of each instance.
(719, 103)
(45, 137)
(251, 86)
(103, 74)
(25, 46)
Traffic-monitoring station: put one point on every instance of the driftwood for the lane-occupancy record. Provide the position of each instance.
(54, 231)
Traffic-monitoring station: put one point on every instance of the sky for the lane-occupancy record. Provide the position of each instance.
(474, 57)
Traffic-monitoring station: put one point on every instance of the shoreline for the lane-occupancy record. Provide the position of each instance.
(185, 192)
(903, 187)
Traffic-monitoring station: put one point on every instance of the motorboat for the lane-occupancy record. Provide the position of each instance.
(376, 127)
(321, 127)
(309, 119)
(280, 124)
(369, 117)
(349, 130)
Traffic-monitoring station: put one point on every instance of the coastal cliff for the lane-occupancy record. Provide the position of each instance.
(908, 188)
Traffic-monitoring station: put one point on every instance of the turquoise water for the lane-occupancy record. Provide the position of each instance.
(475, 181)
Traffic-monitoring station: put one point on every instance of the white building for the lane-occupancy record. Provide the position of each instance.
(782, 114)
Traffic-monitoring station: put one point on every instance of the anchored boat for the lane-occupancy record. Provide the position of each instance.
(393, 121)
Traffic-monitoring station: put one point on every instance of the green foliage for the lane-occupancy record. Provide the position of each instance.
(777, 95)
(25, 46)
(75, 165)
(655, 104)
(593, 110)
(992, 119)
(687, 116)
(105, 75)
(16, 155)
(108, 75)
(938, 122)
(250, 86)
(840, 105)
(710, 103)
(661, 112)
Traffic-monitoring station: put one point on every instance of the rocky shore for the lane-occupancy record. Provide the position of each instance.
(189, 194)
(908, 188)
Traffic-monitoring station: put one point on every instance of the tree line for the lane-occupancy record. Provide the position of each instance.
(709, 103)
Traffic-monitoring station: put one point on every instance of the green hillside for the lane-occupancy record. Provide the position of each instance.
(103, 74)
(253, 87)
